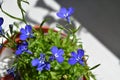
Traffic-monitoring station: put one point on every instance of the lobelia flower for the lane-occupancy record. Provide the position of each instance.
(26, 33)
(76, 57)
(23, 47)
(11, 71)
(40, 63)
(1, 22)
(57, 54)
(65, 13)
(1, 45)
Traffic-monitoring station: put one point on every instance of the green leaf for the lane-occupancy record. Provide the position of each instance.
(8, 35)
(75, 30)
(45, 20)
(62, 27)
(25, 1)
(16, 24)
(94, 66)
(93, 76)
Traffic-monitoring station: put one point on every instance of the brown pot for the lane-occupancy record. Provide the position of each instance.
(44, 29)
(7, 77)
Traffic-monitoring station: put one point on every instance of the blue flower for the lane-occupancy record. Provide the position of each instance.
(23, 47)
(40, 63)
(1, 22)
(65, 13)
(26, 33)
(11, 71)
(76, 57)
(57, 54)
(1, 45)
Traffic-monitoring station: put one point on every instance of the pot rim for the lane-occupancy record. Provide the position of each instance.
(44, 28)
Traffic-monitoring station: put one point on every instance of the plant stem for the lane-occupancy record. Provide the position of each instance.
(14, 44)
(10, 15)
(22, 10)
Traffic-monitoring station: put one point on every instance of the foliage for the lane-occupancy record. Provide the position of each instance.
(51, 56)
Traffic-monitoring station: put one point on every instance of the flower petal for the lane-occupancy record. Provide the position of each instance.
(1, 21)
(31, 35)
(35, 62)
(47, 67)
(23, 37)
(81, 62)
(60, 52)
(73, 54)
(63, 10)
(0, 29)
(11, 71)
(42, 55)
(68, 19)
(25, 43)
(70, 11)
(1, 45)
(51, 58)
(22, 30)
(28, 51)
(54, 50)
(60, 59)
(72, 61)
(28, 28)
(41, 67)
(80, 53)
(18, 52)
(62, 13)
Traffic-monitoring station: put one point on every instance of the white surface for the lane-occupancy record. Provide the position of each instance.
(6, 60)
(109, 69)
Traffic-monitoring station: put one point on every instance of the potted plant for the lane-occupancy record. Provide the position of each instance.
(42, 53)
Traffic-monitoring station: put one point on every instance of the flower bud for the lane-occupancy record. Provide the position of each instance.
(65, 76)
